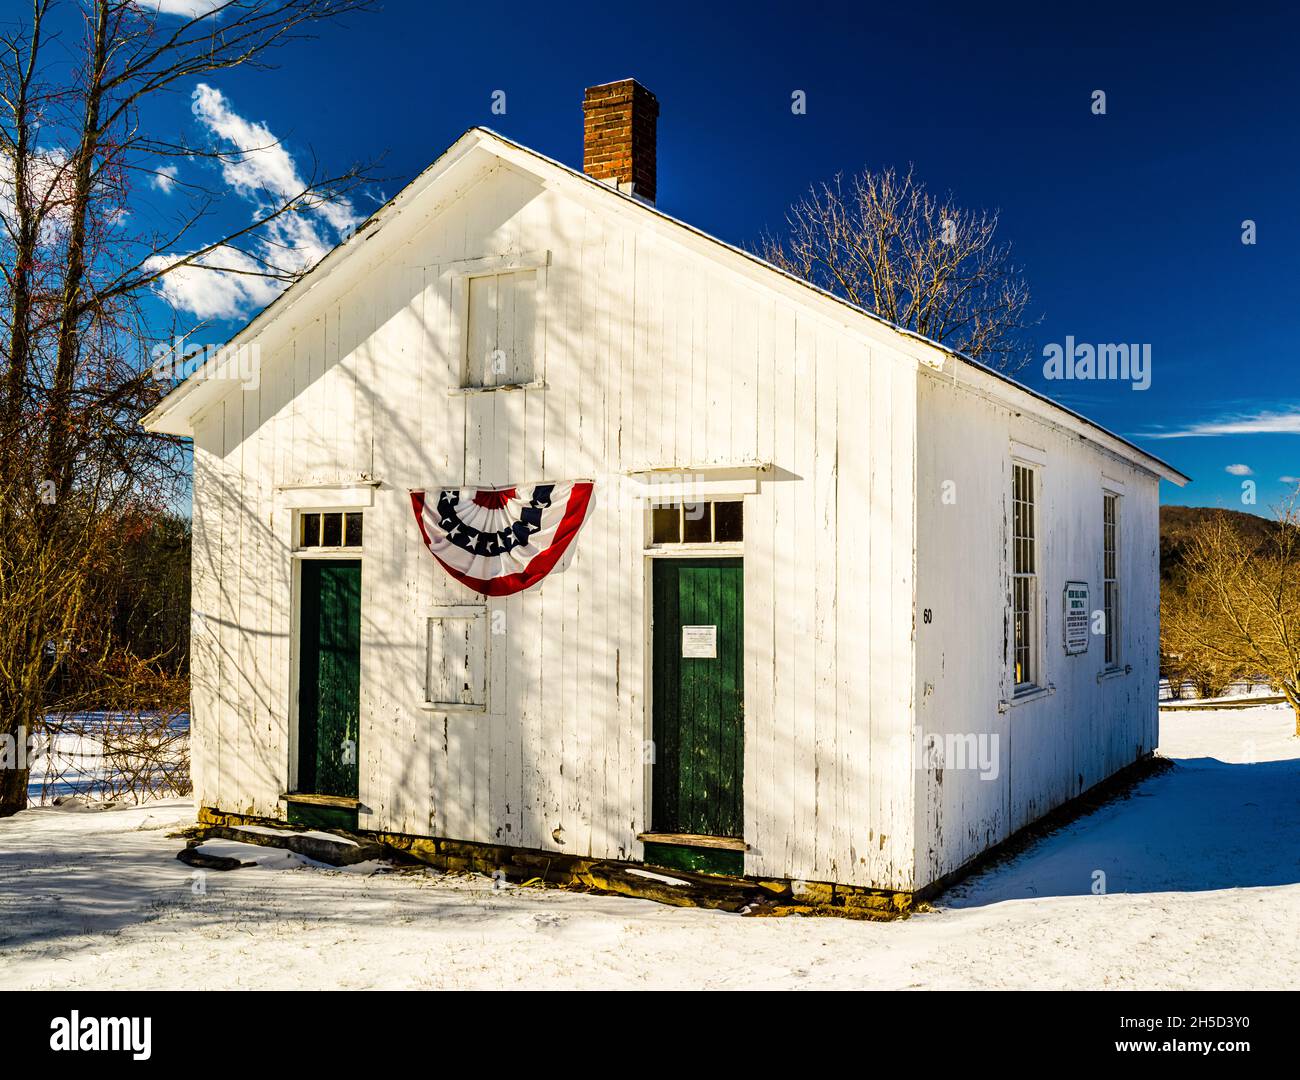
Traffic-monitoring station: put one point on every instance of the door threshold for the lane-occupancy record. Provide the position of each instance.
(723, 843)
(343, 802)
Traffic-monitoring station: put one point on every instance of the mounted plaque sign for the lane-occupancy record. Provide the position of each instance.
(1075, 617)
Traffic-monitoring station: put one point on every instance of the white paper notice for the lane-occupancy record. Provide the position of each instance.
(700, 642)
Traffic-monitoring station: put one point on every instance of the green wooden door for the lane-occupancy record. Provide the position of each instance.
(698, 784)
(329, 677)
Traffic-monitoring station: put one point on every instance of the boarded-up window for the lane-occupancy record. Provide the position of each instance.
(502, 329)
(457, 657)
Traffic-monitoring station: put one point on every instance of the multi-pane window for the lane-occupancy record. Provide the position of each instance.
(332, 530)
(1110, 576)
(1024, 577)
(719, 522)
(502, 329)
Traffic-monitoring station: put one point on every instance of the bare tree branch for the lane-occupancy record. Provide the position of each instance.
(884, 243)
(81, 253)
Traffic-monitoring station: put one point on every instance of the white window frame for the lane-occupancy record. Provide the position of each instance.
(342, 551)
(1035, 678)
(678, 547)
(460, 275)
(1111, 604)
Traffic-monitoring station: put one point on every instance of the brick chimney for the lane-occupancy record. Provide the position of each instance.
(618, 136)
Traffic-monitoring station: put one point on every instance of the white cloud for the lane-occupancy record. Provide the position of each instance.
(260, 165)
(258, 169)
(164, 177)
(1289, 479)
(48, 178)
(216, 293)
(1240, 470)
(186, 9)
(1260, 423)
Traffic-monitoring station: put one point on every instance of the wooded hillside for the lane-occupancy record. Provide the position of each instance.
(1177, 524)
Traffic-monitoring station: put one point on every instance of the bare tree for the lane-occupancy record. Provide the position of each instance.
(883, 242)
(1192, 642)
(1242, 608)
(80, 253)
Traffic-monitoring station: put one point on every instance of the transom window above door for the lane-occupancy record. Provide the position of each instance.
(329, 529)
(716, 522)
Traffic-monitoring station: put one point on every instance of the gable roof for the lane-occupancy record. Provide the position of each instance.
(175, 413)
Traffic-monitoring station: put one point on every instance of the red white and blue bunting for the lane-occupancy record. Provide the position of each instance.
(500, 541)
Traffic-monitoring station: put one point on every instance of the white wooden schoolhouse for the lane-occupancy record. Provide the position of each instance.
(551, 522)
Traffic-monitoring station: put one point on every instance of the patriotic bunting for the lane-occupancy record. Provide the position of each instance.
(500, 541)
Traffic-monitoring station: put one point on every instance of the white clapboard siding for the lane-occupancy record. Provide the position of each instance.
(1051, 748)
(645, 347)
(205, 660)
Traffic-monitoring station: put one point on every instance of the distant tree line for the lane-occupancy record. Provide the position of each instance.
(139, 615)
(151, 611)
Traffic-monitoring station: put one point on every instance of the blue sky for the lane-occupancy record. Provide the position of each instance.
(1128, 224)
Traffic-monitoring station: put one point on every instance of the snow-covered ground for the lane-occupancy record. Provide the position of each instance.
(1201, 864)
